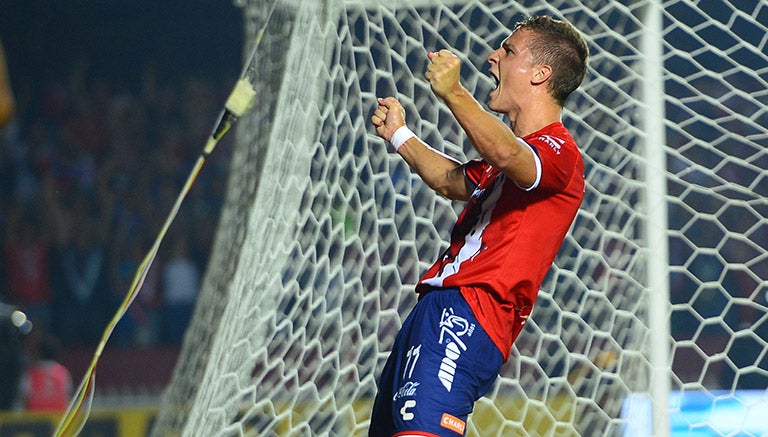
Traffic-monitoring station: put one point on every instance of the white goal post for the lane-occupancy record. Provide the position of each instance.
(657, 297)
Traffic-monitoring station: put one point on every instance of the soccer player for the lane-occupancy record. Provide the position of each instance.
(522, 196)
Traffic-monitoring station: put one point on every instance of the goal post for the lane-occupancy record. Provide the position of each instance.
(657, 295)
(655, 177)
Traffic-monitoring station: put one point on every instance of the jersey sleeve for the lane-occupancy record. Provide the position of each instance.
(474, 171)
(558, 158)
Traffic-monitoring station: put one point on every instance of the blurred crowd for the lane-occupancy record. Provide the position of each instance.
(89, 171)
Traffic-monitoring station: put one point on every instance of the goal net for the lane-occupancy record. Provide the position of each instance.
(658, 293)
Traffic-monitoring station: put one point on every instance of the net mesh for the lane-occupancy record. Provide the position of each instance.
(325, 232)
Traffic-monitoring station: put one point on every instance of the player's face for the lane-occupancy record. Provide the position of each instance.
(511, 67)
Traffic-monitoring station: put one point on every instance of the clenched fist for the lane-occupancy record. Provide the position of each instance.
(388, 117)
(443, 72)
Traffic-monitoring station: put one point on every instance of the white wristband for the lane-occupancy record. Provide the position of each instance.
(401, 135)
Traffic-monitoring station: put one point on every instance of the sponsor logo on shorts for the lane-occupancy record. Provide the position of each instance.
(453, 423)
(452, 328)
(408, 389)
(407, 415)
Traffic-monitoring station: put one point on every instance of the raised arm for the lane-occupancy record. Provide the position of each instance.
(496, 142)
(440, 172)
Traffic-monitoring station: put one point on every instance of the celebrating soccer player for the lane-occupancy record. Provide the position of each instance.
(522, 196)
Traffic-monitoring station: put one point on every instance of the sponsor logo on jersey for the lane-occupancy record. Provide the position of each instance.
(555, 143)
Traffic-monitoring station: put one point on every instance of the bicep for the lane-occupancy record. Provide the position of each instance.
(524, 166)
(462, 187)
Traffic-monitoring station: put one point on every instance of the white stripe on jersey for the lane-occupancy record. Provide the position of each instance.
(537, 161)
(473, 241)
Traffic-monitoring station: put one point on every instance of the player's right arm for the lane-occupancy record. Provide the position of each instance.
(440, 172)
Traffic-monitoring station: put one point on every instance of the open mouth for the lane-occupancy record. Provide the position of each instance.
(495, 79)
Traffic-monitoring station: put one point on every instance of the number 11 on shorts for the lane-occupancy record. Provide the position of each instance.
(410, 363)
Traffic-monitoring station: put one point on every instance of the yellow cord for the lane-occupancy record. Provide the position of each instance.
(239, 102)
(77, 413)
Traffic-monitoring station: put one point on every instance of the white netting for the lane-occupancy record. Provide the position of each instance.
(324, 233)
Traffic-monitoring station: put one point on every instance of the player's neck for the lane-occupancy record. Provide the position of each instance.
(533, 118)
(533, 114)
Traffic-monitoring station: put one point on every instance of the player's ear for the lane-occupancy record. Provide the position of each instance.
(541, 73)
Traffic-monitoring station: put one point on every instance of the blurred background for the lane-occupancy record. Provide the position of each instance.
(114, 101)
(113, 105)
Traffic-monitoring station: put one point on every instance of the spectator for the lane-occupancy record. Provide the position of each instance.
(180, 280)
(141, 324)
(107, 161)
(47, 384)
(10, 358)
(83, 297)
(27, 255)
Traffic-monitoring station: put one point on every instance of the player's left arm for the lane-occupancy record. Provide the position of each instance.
(439, 171)
(492, 139)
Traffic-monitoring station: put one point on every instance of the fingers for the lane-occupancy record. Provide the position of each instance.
(386, 105)
(442, 60)
(443, 54)
(380, 114)
(387, 101)
(388, 116)
(443, 72)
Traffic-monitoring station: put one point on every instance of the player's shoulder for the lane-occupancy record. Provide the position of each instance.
(554, 137)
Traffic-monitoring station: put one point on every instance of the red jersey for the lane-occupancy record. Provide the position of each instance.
(506, 238)
(28, 281)
(48, 387)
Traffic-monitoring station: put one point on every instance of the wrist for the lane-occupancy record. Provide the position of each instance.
(400, 136)
(455, 95)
